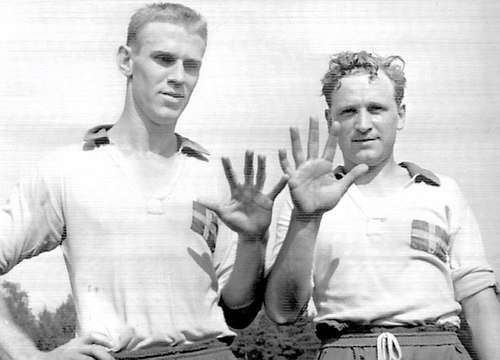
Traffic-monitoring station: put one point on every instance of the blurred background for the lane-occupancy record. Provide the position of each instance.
(260, 75)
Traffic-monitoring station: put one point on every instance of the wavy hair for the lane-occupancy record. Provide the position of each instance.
(349, 63)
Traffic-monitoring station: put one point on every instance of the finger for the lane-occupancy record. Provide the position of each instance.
(278, 187)
(261, 172)
(298, 154)
(230, 175)
(285, 164)
(313, 141)
(97, 352)
(352, 175)
(248, 168)
(331, 143)
(210, 204)
(98, 338)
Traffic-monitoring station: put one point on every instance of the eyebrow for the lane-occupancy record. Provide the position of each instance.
(175, 56)
(339, 109)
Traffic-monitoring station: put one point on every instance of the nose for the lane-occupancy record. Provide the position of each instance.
(176, 73)
(363, 122)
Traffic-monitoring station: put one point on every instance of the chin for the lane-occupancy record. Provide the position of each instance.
(167, 117)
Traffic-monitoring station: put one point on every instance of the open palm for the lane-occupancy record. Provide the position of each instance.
(313, 187)
(249, 210)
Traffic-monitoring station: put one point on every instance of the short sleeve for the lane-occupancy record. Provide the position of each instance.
(471, 272)
(31, 221)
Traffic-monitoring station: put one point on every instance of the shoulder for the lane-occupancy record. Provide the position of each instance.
(429, 177)
(80, 156)
(439, 187)
(61, 156)
(198, 156)
(70, 156)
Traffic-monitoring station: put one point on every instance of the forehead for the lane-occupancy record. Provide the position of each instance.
(361, 88)
(175, 38)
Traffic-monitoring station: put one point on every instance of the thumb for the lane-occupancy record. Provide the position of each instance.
(352, 175)
(209, 203)
(358, 170)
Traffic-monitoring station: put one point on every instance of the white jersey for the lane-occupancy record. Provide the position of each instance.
(143, 270)
(407, 260)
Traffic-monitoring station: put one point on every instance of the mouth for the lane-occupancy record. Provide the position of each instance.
(173, 95)
(363, 141)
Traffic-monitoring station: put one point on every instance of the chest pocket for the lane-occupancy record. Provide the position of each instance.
(429, 238)
(205, 223)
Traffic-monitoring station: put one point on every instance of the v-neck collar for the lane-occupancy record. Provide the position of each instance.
(383, 209)
(98, 136)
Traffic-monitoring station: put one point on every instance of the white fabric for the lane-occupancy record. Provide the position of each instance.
(138, 273)
(371, 268)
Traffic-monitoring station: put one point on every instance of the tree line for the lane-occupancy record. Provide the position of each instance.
(262, 340)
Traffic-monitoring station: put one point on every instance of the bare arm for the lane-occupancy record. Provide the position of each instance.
(482, 312)
(248, 212)
(289, 282)
(314, 190)
(16, 345)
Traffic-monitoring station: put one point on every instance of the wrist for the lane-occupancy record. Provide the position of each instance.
(258, 237)
(306, 216)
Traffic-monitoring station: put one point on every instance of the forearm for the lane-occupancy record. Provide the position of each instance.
(242, 295)
(14, 343)
(482, 311)
(288, 287)
(247, 274)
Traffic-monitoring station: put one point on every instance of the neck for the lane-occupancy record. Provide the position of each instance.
(382, 172)
(383, 179)
(138, 134)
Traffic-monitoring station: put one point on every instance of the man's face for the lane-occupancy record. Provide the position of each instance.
(165, 71)
(369, 118)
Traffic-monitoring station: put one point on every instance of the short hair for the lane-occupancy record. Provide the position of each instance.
(165, 12)
(349, 63)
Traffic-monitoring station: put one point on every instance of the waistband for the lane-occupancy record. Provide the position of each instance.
(331, 329)
(430, 338)
(166, 352)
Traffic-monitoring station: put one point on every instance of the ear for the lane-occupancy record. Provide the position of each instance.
(328, 117)
(124, 60)
(402, 116)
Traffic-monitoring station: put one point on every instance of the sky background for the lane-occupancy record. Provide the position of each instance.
(260, 75)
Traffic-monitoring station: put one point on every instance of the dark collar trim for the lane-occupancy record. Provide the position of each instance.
(420, 174)
(98, 136)
(415, 171)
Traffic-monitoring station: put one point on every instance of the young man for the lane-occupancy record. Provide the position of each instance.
(390, 253)
(151, 268)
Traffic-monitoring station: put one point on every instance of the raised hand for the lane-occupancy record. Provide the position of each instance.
(313, 187)
(249, 210)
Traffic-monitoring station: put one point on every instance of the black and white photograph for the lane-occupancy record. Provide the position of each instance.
(259, 180)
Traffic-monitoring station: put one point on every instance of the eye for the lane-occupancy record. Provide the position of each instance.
(165, 59)
(376, 109)
(191, 65)
(347, 112)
